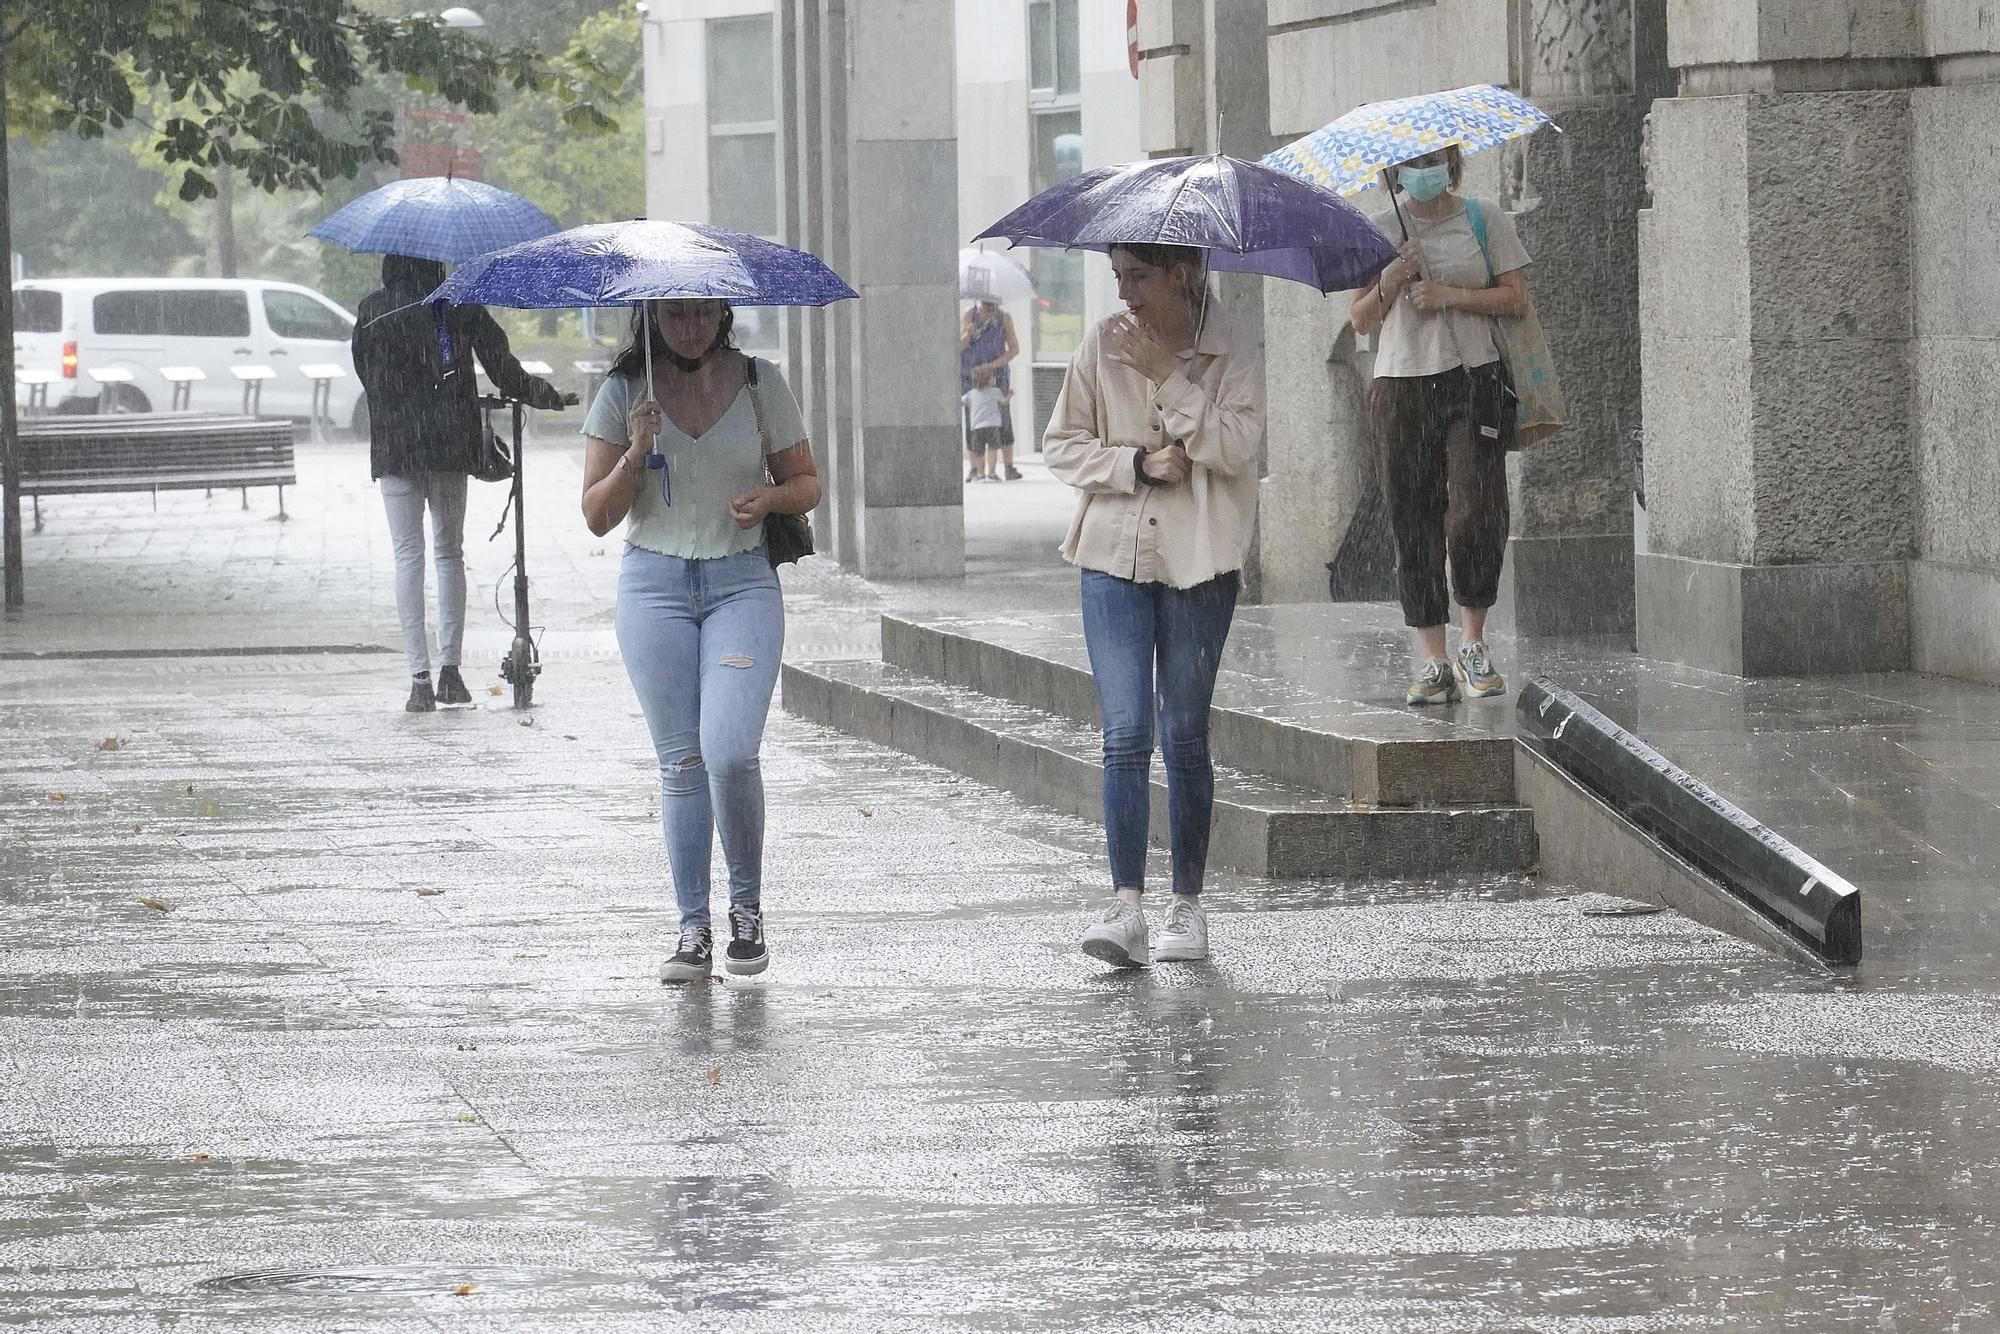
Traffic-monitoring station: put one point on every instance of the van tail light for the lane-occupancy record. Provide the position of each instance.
(69, 360)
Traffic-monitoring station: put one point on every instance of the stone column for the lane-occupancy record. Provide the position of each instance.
(902, 209)
(870, 164)
(1955, 163)
(1593, 65)
(1776, 322)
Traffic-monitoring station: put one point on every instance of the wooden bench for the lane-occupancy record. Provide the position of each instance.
(153, 452)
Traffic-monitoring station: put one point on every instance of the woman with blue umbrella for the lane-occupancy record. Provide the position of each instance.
(701, 452)
(1442, 402)
(1157, 428)
(425, 431)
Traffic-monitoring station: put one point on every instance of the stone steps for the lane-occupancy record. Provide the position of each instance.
(1379, 754)
(1263, 824)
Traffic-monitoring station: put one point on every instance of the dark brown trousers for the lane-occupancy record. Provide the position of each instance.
(1446, 495)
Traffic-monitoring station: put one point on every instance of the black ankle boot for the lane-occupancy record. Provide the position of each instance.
(451, 687)
(422, 698)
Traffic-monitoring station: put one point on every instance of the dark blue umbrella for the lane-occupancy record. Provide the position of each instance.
(1249, 218)
(435, 217)
(617, 263)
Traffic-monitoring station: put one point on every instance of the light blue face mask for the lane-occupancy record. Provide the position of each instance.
(1424, 183)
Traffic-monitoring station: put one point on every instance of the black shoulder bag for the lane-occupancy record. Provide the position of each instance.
(787, 537)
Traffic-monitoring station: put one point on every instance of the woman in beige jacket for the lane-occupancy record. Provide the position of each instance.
(1157, 428)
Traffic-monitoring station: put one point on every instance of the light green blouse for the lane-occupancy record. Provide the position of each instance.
(703, 473)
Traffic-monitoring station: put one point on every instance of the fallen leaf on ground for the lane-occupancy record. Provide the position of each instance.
(463, 1290)
(715, 1075)
(496, 690)
(568, 737)
(154, 904)
(195, 1158)
(58, 796)
(111, 743)
(468, 1046)
(190, 789)
(428, 891)
(867, 814)
(1535, 1201)
(138, 829)
(468, 1118)
(208, 809)
(527, 722)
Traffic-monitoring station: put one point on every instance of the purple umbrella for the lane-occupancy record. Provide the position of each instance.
(1250, 219)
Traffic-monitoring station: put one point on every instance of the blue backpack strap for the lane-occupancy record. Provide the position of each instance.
(1477, 217)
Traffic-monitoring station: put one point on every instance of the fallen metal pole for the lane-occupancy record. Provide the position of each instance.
(1750, 860)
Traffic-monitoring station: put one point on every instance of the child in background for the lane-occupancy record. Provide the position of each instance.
(984, 404)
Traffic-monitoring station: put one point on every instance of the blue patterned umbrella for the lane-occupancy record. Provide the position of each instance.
(617, 263)
(434, 217)
(1249, 219)
(1348, 155)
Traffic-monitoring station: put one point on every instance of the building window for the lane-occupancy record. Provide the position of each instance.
(742, 126)
(1055, 62)
(1056, 155)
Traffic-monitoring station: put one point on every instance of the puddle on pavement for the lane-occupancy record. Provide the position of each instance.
(396, 1280)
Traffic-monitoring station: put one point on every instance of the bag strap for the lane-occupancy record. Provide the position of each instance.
(757, 410)
(1477, 217)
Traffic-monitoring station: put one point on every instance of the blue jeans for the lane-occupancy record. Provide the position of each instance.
(701, 641)
(1130, 627)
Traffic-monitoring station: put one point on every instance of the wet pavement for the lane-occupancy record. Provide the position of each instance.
(316, 1015)
(116, 574)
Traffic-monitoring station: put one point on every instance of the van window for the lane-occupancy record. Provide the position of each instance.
(296, 315)
(37, 310)
(126, 314)
(206, 314)
(199, 313)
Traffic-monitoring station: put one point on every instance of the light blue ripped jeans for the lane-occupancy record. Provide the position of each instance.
(701, 641)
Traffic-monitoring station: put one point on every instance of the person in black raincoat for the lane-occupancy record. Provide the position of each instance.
(425, 437)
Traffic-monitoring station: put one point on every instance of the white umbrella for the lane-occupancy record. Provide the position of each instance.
(988, 275)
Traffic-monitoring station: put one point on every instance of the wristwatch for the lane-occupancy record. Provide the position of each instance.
(1139, 467)
(625, 464)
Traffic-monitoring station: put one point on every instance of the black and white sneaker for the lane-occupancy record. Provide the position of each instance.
(746, 953)
(693, 960)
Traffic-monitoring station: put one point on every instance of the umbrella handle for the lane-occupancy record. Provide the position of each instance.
(646, 342)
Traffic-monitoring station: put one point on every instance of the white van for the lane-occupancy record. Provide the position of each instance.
(73, 326)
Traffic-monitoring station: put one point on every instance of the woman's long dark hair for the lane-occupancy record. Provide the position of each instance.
(631, 359)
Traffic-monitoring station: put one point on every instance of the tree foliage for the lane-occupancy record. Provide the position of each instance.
(274, 88)
(529, 149)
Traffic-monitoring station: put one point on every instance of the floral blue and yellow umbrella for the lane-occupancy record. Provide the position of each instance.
(1348, 155)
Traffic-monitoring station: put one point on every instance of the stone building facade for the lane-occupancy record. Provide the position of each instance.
(1822, 390)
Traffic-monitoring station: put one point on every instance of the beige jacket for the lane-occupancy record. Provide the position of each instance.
(1213, 405)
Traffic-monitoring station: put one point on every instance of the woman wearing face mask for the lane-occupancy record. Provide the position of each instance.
(1157, 428)
(1441, 430)
(682, 462)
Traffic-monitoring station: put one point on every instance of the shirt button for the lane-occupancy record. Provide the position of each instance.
(1154, 522)
(1156, 426)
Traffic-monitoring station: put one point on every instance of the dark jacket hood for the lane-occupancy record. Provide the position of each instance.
(410, 277)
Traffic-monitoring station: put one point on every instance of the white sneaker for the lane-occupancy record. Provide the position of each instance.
(1185, 936)
(1119, 937)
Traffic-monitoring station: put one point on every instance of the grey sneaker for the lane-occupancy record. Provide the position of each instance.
(694, 959)
(1474, 669)
(422, 698)
(1433, 684)
(1119, 937)
(1185, 936)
